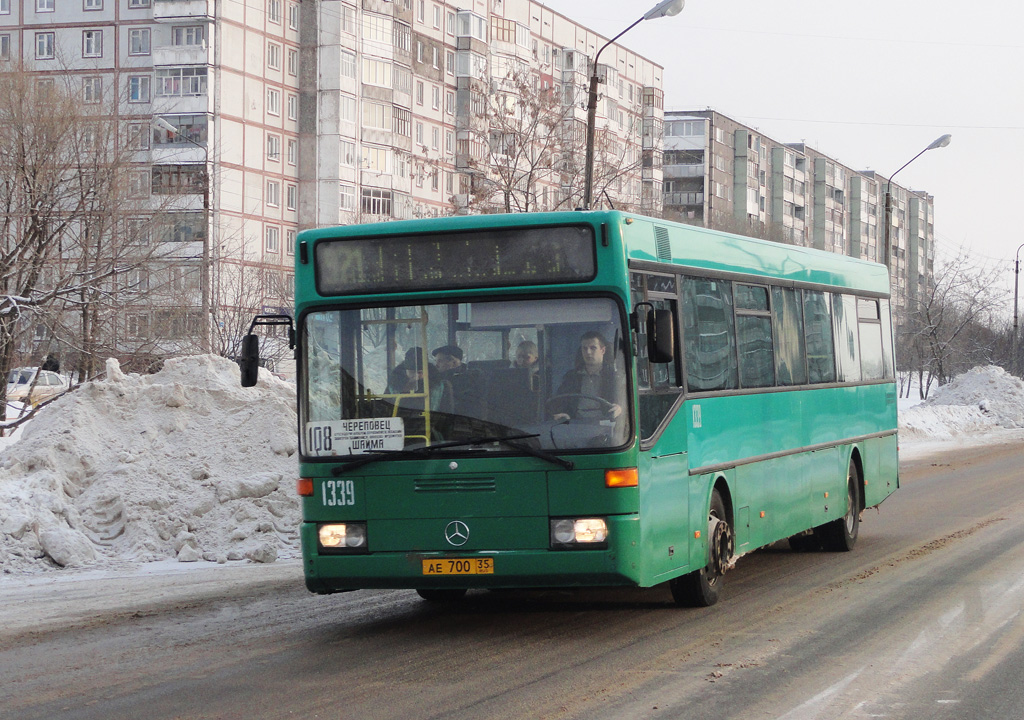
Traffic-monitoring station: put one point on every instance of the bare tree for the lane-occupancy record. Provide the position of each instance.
(66, 185)
(532, 144)
(947, 328)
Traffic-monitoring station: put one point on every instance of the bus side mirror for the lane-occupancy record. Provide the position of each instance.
(250, 360)
(660, 336)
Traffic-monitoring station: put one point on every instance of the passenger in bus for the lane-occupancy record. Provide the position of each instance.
(398, 378)
(527, 356)
(594, 376)
(466, 382)
(441, 394)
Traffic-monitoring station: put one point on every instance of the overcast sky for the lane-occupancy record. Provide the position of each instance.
(870, 83)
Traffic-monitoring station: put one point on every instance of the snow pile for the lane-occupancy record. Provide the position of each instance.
(982, 399)
(184, 463)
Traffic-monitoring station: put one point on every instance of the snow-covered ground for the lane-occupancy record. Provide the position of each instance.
(133, 475)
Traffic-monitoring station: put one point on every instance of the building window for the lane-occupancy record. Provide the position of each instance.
(293, 16)
(181, 81)
(273, 101)
(44, 5)
(377, 116)
(188, 129)
(376, 201)
(419, 92)
(293, 62)
(402, 122)
(138, 326)
(92, 90)
(5, 46)
(274, 11)
(138, 41)
(188, 36)
(377, 159)
(138, 183)
(273, 193)
(138, 136)
(348, 64)
(92, 43)
(178, 179)
(5, 7)
(274, 147)
(138, 89)
(348, 197)
(291, 199)
(293, 151)
(293, 107)
(289, 247)
(133, 4)
(273, 239)
(435, 97)
(92, 5)
(273, 56)
(348, 19)
(44, 46)
(348, 153)
(376, 72)
(347, 108)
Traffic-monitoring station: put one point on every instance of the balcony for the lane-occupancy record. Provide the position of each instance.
(683, 171)
(171, 10)
(180, 55)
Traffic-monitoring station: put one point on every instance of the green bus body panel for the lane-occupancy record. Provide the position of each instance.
(617, 565)
(783, 453)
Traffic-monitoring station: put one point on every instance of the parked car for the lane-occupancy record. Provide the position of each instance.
(20, 383)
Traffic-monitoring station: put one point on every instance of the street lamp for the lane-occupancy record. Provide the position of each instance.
(665, 8)
(204, 270)
(940, 142)
(1014, 363)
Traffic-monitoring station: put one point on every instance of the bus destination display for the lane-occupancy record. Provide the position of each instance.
(484, 258)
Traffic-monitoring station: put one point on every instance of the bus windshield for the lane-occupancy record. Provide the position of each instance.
(393, 378)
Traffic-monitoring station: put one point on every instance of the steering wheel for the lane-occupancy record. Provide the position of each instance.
(605, 406)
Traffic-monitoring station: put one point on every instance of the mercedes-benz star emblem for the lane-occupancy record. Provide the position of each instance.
(456, 533)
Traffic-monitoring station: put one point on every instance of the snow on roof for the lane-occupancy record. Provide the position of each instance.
(184, 463)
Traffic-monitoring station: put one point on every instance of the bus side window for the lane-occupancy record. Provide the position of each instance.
(754, 337)
(844, 308)
(787, 321)
(869, 331)
(709, 335)
(821, 353)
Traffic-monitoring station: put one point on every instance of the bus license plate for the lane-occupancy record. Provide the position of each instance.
(459, 566)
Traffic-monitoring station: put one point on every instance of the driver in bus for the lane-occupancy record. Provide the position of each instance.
(592, 378)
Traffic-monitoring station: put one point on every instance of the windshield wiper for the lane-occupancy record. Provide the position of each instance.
(509, 440)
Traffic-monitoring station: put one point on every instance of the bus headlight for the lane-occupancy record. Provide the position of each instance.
(579, 533)
(342, 537)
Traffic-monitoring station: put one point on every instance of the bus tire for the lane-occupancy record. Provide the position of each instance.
(441, 595)
(700, 588)
(841, 535)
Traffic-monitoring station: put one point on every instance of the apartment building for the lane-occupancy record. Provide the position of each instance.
(723, 174)
(422, 108)
(209, 97)
(251, 119)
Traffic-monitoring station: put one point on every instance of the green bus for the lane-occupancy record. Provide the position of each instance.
(580, 399)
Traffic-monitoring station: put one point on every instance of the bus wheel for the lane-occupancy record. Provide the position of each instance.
(841, 535)
(441, 595)
(700, 587)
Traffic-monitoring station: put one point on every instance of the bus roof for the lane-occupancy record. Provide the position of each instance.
(654, 240)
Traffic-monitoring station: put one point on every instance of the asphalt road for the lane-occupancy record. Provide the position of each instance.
(922, 620)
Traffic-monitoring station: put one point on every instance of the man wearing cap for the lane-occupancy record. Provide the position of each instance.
(466, 382)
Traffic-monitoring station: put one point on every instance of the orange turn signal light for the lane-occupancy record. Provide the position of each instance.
(621, 477)
(305, 487)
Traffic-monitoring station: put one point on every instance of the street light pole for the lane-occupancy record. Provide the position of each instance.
(940, 142)
(665, 8)
(1014, 361)
(204, 270)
